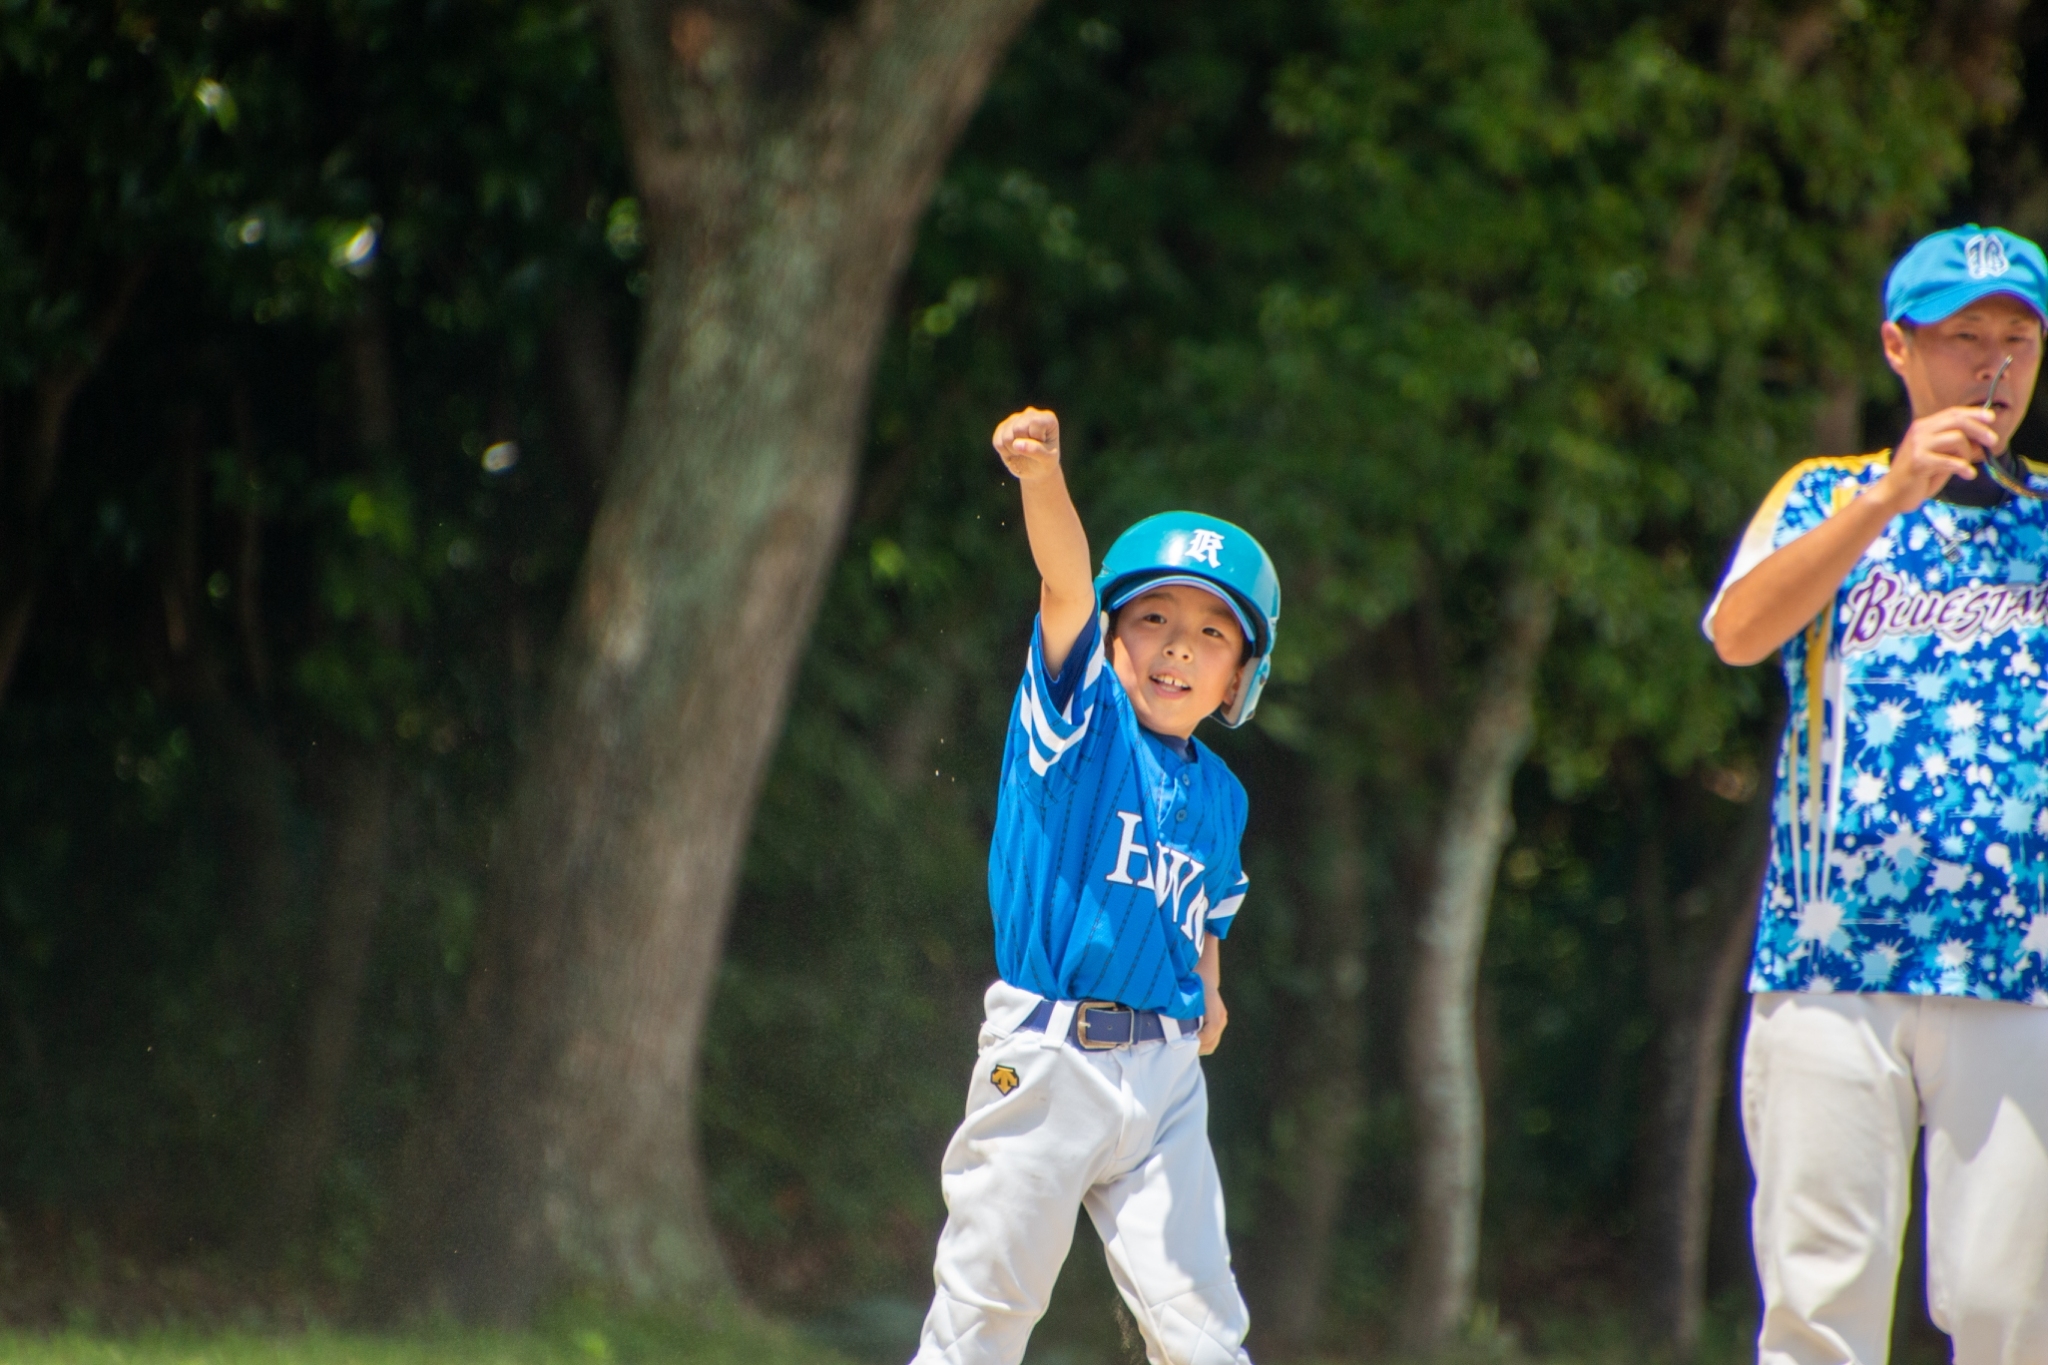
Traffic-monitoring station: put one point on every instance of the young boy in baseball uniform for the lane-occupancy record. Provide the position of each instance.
(1901, 967)
(1113, 876)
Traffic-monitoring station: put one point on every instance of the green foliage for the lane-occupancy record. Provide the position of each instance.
(1564, 307)
(279, 540)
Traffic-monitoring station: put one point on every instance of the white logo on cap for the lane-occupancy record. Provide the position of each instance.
(1984, 255)
(1203, 545)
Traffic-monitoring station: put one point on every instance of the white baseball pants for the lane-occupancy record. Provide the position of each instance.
(1124, 1134)
(1833, 1089)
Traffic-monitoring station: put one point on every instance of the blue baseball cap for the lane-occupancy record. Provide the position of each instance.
(1952, 269)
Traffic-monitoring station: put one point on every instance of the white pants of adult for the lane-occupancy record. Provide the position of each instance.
(1834, 1089)
(1122, 1133)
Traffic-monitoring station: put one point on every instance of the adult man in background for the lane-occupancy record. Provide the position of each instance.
(1901, 967)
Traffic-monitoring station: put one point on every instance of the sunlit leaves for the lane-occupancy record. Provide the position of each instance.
(1606, 272)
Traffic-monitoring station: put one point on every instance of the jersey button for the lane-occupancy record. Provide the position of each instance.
(1180, 814)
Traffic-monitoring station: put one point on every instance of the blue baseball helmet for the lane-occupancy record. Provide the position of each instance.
(1202, 552)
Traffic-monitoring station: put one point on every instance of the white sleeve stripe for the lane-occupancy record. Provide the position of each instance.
(1032, 673)
(1049, 733)
(1047, 721)
(1045, 734)
(1051, 723)
(1096, 660)
(1224, 909)
(1033, 691)
(1753, 550)
(1040, 738)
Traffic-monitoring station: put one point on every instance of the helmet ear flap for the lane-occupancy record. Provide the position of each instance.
(1251, 680)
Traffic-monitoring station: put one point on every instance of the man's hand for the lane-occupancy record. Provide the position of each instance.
(1029, 443)
(1941, 446)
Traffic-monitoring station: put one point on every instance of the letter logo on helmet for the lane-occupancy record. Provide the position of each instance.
(1203, 552)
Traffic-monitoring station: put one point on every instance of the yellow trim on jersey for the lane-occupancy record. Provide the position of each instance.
(1755, 545)
(1781, 491)
(1811, 809)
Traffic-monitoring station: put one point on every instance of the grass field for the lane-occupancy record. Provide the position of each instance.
(740, 1341)
(734, 1337)
(752, 1343)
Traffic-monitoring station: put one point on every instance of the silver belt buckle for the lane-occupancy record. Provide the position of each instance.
(1082, 1035)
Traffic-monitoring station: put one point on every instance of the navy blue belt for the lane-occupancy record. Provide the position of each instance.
(1100, 1025)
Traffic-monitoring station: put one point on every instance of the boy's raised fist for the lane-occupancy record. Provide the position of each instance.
(1029, 442)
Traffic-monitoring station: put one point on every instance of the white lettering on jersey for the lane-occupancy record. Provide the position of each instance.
(1121, 873)
(1197, 918)
(1173, 876)
(1203, 545)
(1169, 875)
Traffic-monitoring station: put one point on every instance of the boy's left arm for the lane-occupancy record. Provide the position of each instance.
(1215, 1018)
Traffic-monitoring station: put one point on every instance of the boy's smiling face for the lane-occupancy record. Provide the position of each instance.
(1179, 652)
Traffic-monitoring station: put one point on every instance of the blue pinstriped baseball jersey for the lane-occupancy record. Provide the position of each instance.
(1115, 851)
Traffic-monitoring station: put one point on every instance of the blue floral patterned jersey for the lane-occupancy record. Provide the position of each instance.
(1910, 843)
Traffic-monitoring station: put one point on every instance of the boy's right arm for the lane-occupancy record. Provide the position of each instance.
(1029, 444)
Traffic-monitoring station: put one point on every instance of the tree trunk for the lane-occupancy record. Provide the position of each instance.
(1695, 1055)
(1697, 974)
(589, 398)
(32, 471)
(357, 867)
(1316, 1121)
(249, 553)
(783, 163)
(1443, 1065)
(180, 577)
(360, 780)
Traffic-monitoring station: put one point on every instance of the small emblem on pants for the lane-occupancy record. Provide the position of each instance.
(1004, 1078)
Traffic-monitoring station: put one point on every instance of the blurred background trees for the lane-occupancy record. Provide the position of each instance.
(317, 326)
(783, 161)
